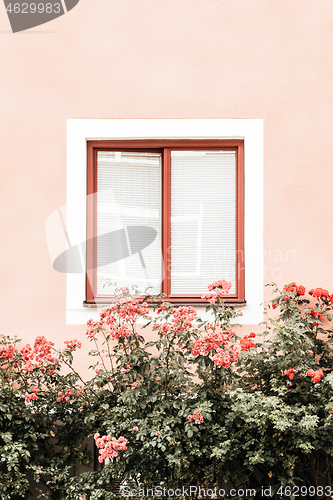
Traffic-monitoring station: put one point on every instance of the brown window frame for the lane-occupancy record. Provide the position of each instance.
(164, 147)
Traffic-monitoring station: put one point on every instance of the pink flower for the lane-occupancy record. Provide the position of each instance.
(197, 417)
(7, 352)
(109, 446)
(73, 344)
(221, 288)
(137, 428)
(29, 397)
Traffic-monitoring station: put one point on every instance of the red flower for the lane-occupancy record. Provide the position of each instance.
(316, 375)
(290, 373)
(320, 293)
(290, 288)
(300, 290)
(247, 344)
(315, 314)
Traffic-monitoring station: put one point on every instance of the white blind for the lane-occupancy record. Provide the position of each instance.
(203, 220)
(128, 217)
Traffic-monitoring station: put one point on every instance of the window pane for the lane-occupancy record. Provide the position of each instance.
(203, 220)
(128, 220)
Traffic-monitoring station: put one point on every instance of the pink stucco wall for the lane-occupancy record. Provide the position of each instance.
(175, 59)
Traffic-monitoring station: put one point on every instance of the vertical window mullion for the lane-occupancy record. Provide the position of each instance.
(166, 221)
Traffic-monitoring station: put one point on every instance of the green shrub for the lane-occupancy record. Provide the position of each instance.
(199, 405)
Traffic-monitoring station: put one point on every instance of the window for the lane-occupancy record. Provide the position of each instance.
(165, 213)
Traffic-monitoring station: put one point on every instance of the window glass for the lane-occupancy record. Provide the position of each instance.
(128, 220)
(203, 219)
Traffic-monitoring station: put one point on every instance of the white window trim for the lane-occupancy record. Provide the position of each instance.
(79, 131)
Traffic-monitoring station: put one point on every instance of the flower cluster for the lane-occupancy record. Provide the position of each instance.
(125, 370)
(212, 341)
(40, 354)
(299, 290)
(197, 417)
(227, 356)
(109, 446)
(126, 308)
(316, 375)
(246, 344)
(321, 294)
(221, 288)
(226, 352)
(65, 395)
(182, 318)
(28, 397)
(7, 352)
(291, 373)
(94, 327)
(316, 315)
(292, 287)
(73, 344)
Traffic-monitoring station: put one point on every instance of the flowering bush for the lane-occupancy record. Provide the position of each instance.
(295, 364)
(42, 432)
(254, 409)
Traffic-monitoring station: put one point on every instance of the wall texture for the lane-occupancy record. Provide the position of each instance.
(175, 59)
